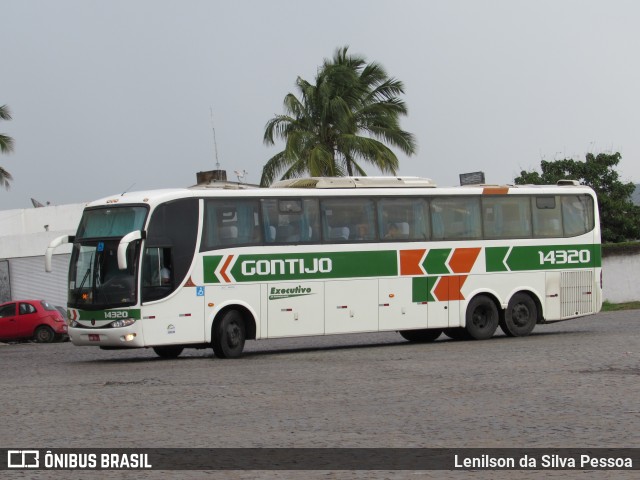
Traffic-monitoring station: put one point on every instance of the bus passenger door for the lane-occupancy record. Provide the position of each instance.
(176, 320)
(397, 308)
(351, 306)
(295, 309)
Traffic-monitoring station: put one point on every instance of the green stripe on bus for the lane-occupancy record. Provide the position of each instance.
(547, 257)
(421, 289)
(327, 265)
(210, 263)
(436, 259)
(494, 258)
(307, 266)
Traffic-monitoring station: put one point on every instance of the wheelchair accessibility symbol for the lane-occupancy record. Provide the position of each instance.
(200, 291)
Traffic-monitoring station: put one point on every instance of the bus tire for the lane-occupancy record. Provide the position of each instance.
(170, 351)
(421, 336)
(229, 335)
(520, 316)
(482, 318)
(457, 333)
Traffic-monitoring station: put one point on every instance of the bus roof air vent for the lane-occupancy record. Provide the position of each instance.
(296, 183)
(566, 182)
(356, 182)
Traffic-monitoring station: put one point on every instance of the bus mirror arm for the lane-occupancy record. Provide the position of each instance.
(55, 243)
(124, 243)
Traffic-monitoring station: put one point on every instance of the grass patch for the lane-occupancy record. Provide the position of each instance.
(613, 307)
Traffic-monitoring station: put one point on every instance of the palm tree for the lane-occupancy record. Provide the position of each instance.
(343, 120)
(6, 146)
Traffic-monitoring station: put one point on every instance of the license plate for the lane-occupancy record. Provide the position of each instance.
(94, 338)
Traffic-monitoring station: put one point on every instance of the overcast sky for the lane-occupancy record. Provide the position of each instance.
(106, 94)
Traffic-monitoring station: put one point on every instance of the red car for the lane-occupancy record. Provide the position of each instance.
(36, 319)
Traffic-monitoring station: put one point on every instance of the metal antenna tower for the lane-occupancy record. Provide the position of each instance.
(215, 144)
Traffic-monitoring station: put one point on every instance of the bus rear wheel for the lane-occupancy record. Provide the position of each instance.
(520, 317)
(421, 336)
(228, 335)
(168, 352)
(481, 318)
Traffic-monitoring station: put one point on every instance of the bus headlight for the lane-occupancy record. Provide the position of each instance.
(123, 322)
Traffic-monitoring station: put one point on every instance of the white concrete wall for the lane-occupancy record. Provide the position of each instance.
(621, 278)
(23, 232)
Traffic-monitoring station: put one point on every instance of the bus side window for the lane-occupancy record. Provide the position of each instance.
(404, 219)
(350, 219)
(506, 216)
(156, 267)
(310, 228)
(231, 223)
(456, 218)
(157, 273)
(547, 219)
(471, 219)
(437, 224)
(228, 235)
(290, 220)
(169, 247)
(576, 214)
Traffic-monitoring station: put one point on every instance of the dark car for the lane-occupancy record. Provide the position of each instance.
(31, 319)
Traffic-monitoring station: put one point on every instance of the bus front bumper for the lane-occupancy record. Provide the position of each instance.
(123, 337)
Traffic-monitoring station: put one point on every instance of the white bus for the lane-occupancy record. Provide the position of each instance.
(213, 267)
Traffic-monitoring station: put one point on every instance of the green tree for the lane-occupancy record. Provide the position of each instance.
(6, 146)
(342, 120)
(619, 217)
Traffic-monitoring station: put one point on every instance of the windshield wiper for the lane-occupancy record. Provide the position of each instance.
(84, 279)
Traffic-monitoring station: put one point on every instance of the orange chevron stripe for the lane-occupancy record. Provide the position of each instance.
(463, 259)
(495, 190)
(441, 290)
(448, 288)
(223, 270)
(410, 262)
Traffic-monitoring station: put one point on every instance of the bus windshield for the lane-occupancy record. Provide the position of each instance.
(111, 222)
(95, 281)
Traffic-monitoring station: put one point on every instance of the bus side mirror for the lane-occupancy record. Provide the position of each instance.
(55, 243)
(122, 247)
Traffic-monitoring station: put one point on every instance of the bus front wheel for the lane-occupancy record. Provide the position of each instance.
(482, 318)
(520, 317)
(168, 351)
(229, 335)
